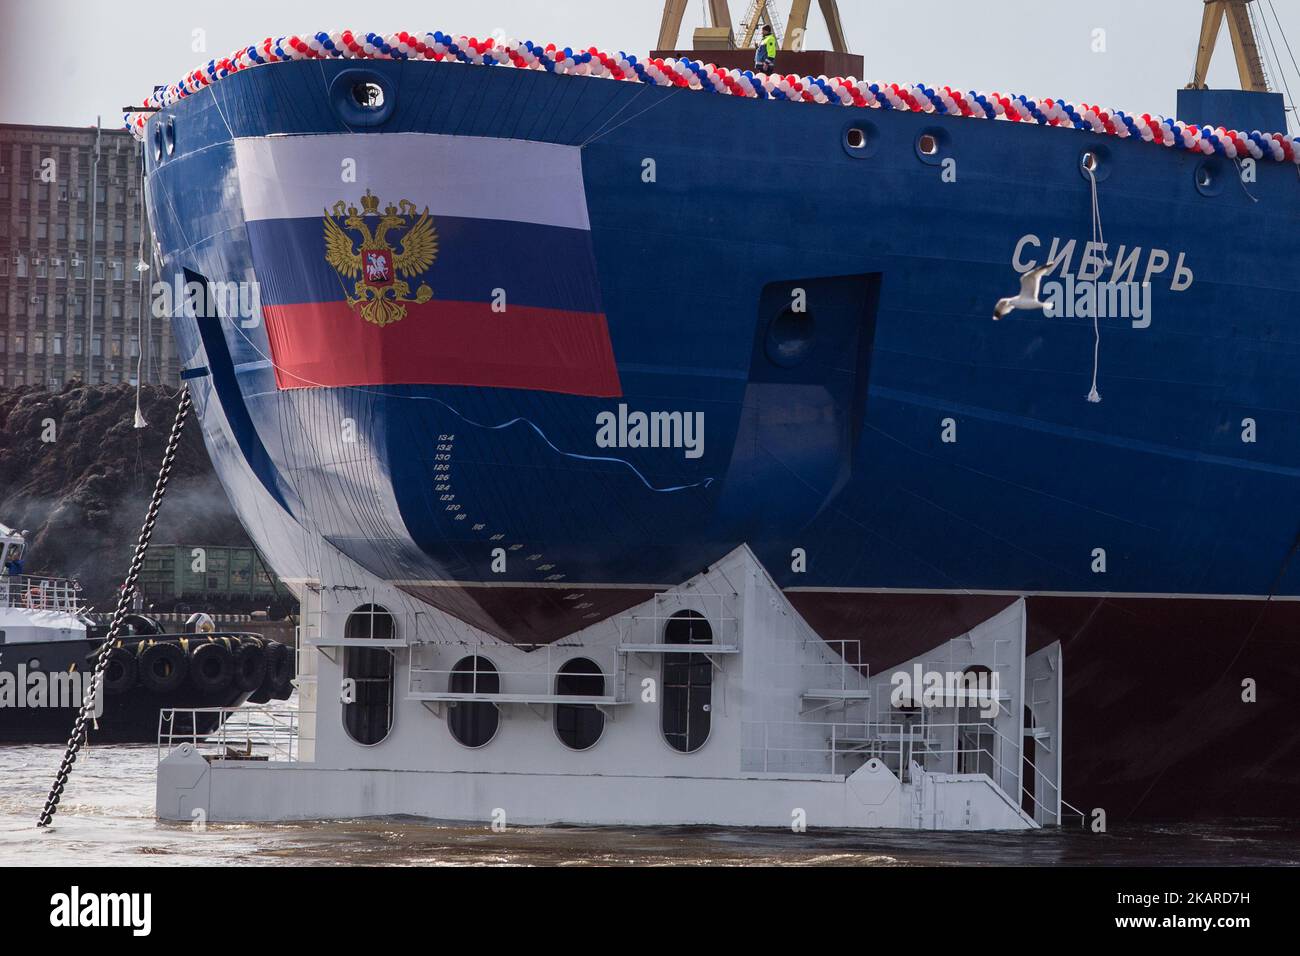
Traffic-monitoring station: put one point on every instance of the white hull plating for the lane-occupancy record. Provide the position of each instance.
(795, 736)
(244, 792)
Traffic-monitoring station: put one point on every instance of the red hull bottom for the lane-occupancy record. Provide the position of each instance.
(1155, 725)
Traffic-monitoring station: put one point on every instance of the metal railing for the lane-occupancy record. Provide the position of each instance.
(789, 746)
(848, 670)
(648, 625)
(839, 747)
(38, 593)
(946, 659)
(537, 680)
(231, 733)
(1068, 809)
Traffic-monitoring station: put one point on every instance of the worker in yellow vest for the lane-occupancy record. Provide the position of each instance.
(765, 55)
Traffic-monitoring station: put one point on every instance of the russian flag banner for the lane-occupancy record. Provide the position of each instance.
(425, 259)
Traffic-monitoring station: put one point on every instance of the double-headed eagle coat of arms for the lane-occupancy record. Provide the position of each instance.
(378, 295)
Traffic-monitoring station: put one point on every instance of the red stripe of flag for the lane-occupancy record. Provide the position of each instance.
(443, 343)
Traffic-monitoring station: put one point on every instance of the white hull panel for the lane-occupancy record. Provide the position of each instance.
(247, 792)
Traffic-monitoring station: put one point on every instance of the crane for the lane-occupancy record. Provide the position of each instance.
(1250, 66)
(720, 36)
(760, 12)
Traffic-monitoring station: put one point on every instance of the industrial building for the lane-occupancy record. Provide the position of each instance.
(73, 304)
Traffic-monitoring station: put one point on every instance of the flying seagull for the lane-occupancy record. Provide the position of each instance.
(1028, 297)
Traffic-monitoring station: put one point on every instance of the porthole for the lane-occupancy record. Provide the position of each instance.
(363, 97)
(368, 716)
(473, 722)
(1094, 162)
(1209, 176)
(933, 146)
(789, 338)
(687, 692)
(860, 139)
(579, 726)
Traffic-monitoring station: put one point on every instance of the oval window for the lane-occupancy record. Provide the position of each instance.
(579, 726)
(687, 684)
(473, 722)
(369, 717)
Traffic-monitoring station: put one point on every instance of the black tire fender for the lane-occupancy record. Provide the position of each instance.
(212, 667)
(280, 669)
(163, 667)
(121, 672)
(250, 665)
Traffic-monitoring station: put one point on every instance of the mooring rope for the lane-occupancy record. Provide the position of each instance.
(1098, 249)
(78, 737)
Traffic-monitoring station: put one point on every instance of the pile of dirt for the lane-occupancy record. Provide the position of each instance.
(77, 474)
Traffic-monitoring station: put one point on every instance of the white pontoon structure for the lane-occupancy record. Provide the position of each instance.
(713, 703)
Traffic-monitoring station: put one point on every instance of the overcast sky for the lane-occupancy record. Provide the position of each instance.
(64, 61)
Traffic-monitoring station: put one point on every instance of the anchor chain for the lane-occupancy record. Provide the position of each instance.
(78, 737)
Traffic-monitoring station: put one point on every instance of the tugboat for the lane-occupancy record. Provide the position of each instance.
(48, 648)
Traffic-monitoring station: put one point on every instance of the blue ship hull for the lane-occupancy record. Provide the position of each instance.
(902, 464)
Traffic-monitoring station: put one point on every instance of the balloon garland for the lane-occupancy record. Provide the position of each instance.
(695, 75)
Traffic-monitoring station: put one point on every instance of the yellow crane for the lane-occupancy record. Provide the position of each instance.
(718, 34)
(760, 13)
(1250, 65)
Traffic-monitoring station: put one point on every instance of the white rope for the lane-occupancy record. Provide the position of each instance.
(1097, 236)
